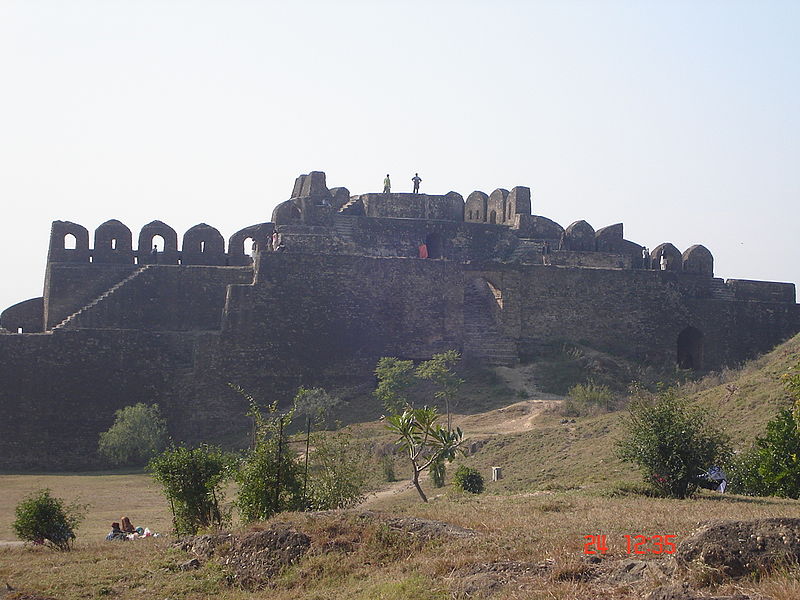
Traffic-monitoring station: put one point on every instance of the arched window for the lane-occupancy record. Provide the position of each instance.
(158, 242)
(248, 246)
(70, 242)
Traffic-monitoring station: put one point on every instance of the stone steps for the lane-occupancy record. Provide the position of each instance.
(354, 207)
(482, 338)
(74, 316)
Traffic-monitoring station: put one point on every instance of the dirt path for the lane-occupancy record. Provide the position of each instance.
(514, 418)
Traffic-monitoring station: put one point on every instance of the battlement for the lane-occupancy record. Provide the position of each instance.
(332, 283)
(113, 245)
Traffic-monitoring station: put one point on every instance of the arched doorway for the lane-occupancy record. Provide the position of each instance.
(434, 243)
(690, 349)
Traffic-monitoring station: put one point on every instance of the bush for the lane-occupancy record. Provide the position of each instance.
(438, 472)
(137, 435)
(673, 443)
(338, 472)
(387, 466)
(586, 398)
(772, 466)
(43, 519)
(192, 479)
(468, 479)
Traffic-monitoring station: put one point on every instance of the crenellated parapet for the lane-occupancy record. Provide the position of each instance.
(157, 243)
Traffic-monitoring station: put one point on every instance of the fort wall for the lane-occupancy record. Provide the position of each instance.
(345, 286)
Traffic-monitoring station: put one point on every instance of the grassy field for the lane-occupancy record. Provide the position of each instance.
(109, 496)
(562, 481)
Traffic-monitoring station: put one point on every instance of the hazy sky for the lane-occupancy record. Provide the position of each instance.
(680, 119)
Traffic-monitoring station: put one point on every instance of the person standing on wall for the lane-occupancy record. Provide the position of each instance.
(423, 249)
(417, 180)
(663, 262)
(154, 254)
(387, 185)
(645, 258)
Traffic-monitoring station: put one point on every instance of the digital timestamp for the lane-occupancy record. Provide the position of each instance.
(635, 544)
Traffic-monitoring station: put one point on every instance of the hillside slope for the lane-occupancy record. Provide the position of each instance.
(556, 454)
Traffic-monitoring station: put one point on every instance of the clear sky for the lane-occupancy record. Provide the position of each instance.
(680, 119)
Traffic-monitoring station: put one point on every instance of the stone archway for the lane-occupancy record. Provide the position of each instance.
(690, 349)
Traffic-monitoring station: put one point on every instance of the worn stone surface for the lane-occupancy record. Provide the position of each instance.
(118, 325)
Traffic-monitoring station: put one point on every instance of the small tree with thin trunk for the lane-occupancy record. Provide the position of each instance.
(424, 440)
(439, 370)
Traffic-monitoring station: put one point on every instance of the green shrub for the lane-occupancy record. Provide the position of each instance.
(387, 466)
(338, 474)
(772, 466)
(468, 479)
(137, 435)
(192, 480)
(43, 519)
(590, 397)
(672, 442)
(438, 471)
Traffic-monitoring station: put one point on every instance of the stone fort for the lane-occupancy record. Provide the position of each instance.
(341, 285)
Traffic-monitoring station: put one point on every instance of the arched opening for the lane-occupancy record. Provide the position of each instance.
(493, 217)
(690, 349)
(434, 243)
(19, 330)
(114, 243)
(157, 242)
(504, 209)
(70, 242)
(248, 246)
(202, 246)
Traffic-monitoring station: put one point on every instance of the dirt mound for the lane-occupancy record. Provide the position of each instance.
(481, 580)
(682, 592)
(425, 528)
(738, 548)
(253, 557)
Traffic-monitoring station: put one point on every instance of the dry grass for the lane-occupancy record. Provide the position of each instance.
(372, 562)
(110, 497)
(554, 493)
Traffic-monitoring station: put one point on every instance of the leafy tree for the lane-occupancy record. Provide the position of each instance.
(395, 377)
(468, 479)
(270, 477)
(192, 480)
(315, 404)
(439, 370)
(672, 442)
(424, 440)
(43, 519)
(772, 466)
(139, 433)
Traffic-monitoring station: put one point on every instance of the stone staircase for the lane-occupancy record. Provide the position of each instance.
(482, 337)
(343, 226)
(74, 316)
(720, 291)
(354, 207)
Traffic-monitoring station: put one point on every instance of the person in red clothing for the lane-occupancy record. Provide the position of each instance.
(423, 250)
